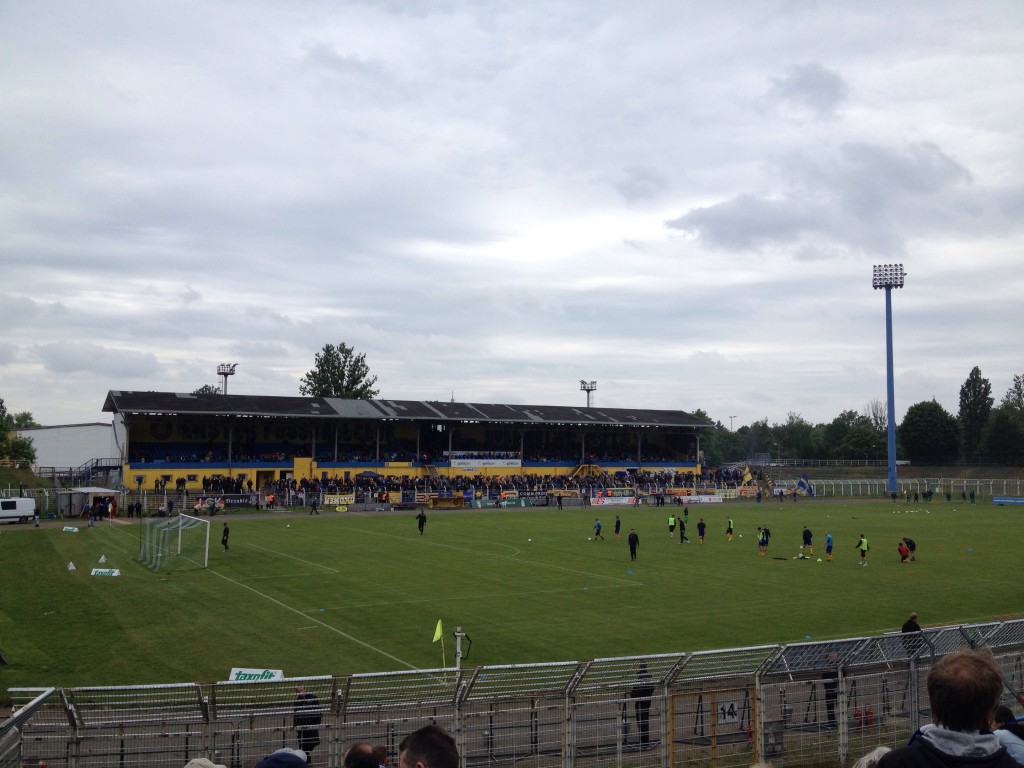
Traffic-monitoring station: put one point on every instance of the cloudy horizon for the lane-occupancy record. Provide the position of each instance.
(492, 201)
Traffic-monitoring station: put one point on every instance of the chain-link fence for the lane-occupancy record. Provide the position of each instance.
(807, 704)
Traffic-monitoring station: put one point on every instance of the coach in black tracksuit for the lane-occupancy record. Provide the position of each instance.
(634, 542)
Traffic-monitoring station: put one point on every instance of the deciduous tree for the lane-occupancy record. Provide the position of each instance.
(929, 434)
(339, 372)
(975, 406)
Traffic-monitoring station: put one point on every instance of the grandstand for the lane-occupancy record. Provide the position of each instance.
(176, 440)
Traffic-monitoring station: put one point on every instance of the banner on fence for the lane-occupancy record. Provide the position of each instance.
(338, 499)
(250, 675)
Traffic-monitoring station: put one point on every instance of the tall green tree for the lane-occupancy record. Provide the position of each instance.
(12, 446)
(863, 443)
(1014, 397)
(975, 407)
(929, 434)
(339, 372)
(1002, 440)
(207, 389)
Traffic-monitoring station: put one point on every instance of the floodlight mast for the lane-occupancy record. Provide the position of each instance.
(588, 387)
(889, 276)
(224, 370)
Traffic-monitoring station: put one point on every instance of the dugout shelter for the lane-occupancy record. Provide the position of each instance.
(175, 440)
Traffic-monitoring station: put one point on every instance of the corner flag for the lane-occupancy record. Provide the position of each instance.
(437, 632)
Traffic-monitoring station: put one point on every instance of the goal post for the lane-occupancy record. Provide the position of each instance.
(179, 543)
(188, 543)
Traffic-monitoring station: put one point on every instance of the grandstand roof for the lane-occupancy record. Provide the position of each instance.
(176, 403)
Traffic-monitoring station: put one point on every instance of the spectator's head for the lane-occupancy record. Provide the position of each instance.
(1003, 715)
(284, 758)
(913, 616)
(202, 762)
(360, 755)
(964, 689)
(429, 747)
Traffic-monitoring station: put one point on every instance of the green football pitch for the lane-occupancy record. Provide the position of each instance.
(350, 592)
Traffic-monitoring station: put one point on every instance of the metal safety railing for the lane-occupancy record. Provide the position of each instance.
(813, 703)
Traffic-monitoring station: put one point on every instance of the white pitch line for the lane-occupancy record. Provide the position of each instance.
(319, 623)
(293, 557)
(306, 616)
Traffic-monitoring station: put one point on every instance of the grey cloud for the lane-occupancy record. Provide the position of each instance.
(813, 87)
(864, 198)
(639, 183)
(68, 358)
(750, 221)
(919, 169)
(190, 295)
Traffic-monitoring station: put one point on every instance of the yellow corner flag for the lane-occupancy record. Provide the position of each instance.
(437, 632)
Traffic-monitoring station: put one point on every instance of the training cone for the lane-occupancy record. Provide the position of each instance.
(71, 567)
(103, 558)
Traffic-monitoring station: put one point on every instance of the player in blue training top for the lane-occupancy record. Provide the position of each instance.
(597, 529)
(828, 545)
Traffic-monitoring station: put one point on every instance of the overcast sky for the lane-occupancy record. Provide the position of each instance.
(681, 201)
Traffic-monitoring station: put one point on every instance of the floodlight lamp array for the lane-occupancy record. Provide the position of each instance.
(226, 369)
(888, 276)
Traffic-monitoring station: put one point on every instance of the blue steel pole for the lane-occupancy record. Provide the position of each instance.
(890, 389)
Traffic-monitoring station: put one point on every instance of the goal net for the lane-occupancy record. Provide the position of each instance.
(179, 543)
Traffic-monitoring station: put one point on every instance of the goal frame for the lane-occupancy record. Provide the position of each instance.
(206, 542)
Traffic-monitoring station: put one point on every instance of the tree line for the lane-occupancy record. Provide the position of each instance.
(980, 433)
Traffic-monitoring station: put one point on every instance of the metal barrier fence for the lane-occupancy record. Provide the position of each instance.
(878, 488)
(808, 704)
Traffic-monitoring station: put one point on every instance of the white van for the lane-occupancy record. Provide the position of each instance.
(19, 510)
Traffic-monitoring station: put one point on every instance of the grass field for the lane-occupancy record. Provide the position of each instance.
(346, 592)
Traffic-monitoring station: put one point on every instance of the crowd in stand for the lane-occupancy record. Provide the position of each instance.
(190, 453)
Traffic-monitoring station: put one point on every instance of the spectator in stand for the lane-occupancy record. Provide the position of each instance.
(1009, 732)
(284, 758)
(360, 755)
(964, 690)
(429, 747)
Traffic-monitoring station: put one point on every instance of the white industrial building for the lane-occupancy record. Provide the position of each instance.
(72, 445)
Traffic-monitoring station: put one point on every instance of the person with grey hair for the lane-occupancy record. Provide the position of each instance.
(870, 760)
(202, 762)
(964, 690)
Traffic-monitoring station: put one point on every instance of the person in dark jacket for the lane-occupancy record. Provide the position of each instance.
(964, 690)
(641, 693)
(307, 719)
(634, 542)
